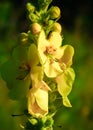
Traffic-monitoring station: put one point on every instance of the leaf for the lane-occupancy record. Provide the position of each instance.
(9, 73)
(20, 89)
(20, 55)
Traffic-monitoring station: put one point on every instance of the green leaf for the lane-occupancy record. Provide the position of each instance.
(33, 57)
(9, 73)
(20, 89)
(20, 55)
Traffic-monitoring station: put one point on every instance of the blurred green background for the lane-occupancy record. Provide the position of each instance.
(76, 19)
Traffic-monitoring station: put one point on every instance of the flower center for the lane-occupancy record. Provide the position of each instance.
(50, 50)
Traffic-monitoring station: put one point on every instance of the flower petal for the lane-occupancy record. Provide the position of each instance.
(66, 102)
(64, 83)
(42, 99)
(36, 74)
(33, 107)
(42, 44)
(52, 69)
(55, 39)
(38, 100)
(33, 58)
(67, 55)
(59, 53)
(44, 86)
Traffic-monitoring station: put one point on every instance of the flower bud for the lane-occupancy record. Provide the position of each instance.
(24, 37)
(33, 121)
(30, 7)
(49, 122)
(35, 28)
(33, 17)
(54, 12)
(57, 27)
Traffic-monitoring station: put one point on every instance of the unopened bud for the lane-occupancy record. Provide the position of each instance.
(24, 37)
(30, 7)
(33, 121)
(57, 27)
(54, 12)
(49, 122)
(33, 17)
(35, 28)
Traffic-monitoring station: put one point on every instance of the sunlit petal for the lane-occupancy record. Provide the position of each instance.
(38, 100)
(55, 39)
(33, 57)
(66, 102)
(65, 81)
(36, 74)
(68, 52)
(52, 69)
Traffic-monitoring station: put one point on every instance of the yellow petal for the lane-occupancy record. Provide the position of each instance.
(68, 52)
(65, 81)
(42, 44)
(31, 100)
(44, 86)
(52, 69)
(36, 74)
(43, 57)
(33, 57)
(37, 102)
(42, 99)
(59, 53)
(64, 85)
(66, 102)
(55, 39)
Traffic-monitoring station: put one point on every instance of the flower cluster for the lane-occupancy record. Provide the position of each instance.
(41, 65)
(47, 57)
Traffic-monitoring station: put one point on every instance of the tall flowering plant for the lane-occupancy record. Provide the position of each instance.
(40, 67)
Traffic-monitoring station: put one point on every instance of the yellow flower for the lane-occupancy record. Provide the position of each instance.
(49, 51)
(64, 85)
(65, 79)
(38, 100)
(36, 72)
(56, 61)
(38, 94)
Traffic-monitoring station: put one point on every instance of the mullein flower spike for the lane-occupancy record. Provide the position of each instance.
(40, 67)
(48, 60)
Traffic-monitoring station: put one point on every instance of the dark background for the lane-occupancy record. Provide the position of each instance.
(77, 23)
